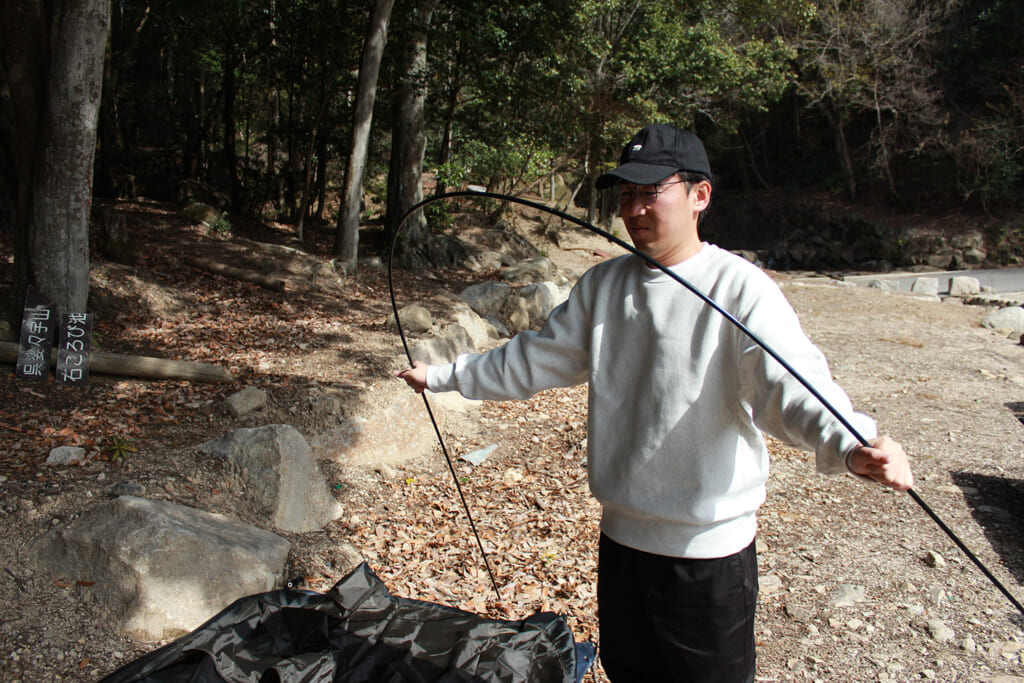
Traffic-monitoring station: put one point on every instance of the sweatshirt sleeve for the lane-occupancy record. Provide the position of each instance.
(783, 407)
(530, 362)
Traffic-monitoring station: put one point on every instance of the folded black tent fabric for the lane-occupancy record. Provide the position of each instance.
(358, 631)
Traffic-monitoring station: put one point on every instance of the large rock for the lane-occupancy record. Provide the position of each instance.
(482, 333)
(284, 479)
(1009, 318)
(487, 298)
(162, 569)
(414, 319)
(536, 269)
(928, 286)
(516, 315)
(540, 299)
(974, 257)
(200, 213)
(394, 433)
(443, 348)
(962, 285)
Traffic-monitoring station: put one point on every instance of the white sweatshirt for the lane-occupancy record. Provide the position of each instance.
(678, 396)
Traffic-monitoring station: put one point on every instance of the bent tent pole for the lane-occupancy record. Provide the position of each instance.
(477, 193)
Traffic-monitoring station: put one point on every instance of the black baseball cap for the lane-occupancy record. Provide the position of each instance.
(655, 153)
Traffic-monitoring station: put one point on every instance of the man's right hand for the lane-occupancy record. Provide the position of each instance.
(416, 376)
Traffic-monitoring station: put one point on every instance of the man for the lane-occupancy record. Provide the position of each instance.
(678, 400)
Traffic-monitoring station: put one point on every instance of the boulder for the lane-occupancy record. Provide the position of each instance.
(413, 319)
(199, 212)
(962, 285)
(516, 315)
(481, 331)
(1009, 318)
(443, 348)
(536, 269)
(162, 569)
(928, 286)
(396, 432)
(970, 239)
(486, 298)
(974, 256)
(885, 284)
(485, 261)
(540, 299)
(940, 259)
(284, 479)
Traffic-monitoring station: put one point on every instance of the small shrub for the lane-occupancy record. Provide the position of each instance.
(220, 225)
(119, 448)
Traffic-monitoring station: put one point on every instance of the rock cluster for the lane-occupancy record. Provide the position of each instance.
(143, 552)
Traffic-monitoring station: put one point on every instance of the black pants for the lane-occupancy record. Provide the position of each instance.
(675, 619)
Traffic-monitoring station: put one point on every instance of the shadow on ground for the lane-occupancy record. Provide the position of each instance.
(997, 503)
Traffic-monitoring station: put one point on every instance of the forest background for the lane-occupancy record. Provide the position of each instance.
(328, 116)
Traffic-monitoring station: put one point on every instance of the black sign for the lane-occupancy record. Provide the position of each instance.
(37, 332)
(73, 349)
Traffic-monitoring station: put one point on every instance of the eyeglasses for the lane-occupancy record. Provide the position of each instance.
(648, 194)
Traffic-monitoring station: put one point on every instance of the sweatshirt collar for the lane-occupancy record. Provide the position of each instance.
(649, 274)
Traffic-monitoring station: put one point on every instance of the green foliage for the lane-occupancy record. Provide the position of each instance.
(501, 168)
(439, 218)
(705, 64)
(524, 87)
(987, 162)
(220, 224)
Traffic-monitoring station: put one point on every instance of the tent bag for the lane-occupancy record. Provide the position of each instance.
(357, 631)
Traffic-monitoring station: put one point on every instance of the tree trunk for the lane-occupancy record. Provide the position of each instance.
(881, 132)
(346, 244)
(842, 148)
(243, 274)
(408, 143)
(320, 191)
(273, 126)
(110, 150)
(54, 64)
(445, 151)
(230, 95)
(588, 166)
(307, 174)
(24, 43)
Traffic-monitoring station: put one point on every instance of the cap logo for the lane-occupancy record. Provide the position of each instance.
(637, 148)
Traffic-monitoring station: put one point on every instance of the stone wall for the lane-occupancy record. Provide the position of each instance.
(786, 234)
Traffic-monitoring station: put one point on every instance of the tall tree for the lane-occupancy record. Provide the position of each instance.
(52, 56)
(346, 245)
(983, 67)
(408, 141)
(873, 63)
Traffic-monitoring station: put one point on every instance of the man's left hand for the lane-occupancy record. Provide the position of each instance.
(885, 461)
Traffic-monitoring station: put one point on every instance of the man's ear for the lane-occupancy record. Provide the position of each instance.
(703, 190)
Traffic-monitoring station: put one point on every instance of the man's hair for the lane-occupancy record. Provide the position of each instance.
(691, 178)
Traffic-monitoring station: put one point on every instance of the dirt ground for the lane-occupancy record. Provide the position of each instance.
(857, 583)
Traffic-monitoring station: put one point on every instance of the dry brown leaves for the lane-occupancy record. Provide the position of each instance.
(529, 502)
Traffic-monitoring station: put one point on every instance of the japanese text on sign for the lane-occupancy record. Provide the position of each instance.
(73, 350)
(37, 332)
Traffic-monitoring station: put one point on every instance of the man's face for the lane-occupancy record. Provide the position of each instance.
(662, 219)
